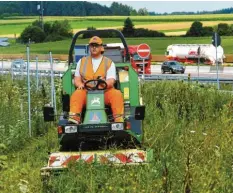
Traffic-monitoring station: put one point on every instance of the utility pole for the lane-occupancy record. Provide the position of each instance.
(41, 14)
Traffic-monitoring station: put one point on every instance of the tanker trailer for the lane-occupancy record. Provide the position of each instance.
(188, 53)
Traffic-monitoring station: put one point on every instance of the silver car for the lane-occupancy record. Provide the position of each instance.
(18, 64)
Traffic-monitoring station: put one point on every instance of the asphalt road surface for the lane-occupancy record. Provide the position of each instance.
(192, 70)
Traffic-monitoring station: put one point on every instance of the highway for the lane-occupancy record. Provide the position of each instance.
(204, 71)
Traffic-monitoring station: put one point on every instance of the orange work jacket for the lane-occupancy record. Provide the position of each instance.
(86, 68)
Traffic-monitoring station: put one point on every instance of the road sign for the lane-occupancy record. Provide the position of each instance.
(199, 51)
(216, 40)
(143, 50)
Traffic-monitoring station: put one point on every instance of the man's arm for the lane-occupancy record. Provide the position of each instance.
(111, 76)
(77, 79)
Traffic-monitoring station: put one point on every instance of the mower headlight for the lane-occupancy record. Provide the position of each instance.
(71, 129)
(117, 126)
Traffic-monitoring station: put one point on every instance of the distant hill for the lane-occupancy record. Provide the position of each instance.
(221, 11)
(53, 8)
(81, 8)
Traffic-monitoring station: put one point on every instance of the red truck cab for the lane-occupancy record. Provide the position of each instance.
(137, 61)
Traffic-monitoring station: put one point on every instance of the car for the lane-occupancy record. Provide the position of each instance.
(18, 64)
(172, 67)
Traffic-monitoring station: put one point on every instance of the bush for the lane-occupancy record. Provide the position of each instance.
(223, 29)
(54, 37)
(58, 30)
(34, 33)
(141, 32)
(128, 29)
(207, 31)
(62, 28)
(195, 29)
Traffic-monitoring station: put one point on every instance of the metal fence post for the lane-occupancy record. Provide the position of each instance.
(2, 64)
(53, 92)
(29, 92)
(37, 81)
(12, 73)
(216, 61)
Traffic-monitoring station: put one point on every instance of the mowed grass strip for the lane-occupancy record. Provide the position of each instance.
(158, 45)
(203, 17)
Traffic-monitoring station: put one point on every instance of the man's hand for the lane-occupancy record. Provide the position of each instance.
(78, 83)
(80, 86)
(110, 82)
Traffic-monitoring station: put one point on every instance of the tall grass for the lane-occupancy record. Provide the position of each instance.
(190, 130)
(21, 156)
(188, 126)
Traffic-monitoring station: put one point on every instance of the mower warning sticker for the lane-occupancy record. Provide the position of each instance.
(95, 117)
(95, 101)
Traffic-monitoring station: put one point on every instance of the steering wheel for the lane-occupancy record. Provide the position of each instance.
(97, 83)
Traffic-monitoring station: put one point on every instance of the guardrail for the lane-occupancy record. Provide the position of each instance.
(185, 78)
(146, 77)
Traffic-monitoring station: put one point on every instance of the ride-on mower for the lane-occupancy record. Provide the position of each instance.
(98, 139)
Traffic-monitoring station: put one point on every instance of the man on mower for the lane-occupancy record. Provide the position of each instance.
(94, 67)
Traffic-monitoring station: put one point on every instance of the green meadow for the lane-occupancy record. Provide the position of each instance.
(158, 45)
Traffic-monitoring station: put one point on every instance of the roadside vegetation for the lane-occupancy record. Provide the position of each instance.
(188, 126)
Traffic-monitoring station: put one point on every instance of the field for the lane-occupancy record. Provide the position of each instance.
(177, 23)
(188, 126)
(158, 45)
(170, 25)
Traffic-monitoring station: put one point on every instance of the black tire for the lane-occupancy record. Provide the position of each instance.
(171, 71)
(162, 70)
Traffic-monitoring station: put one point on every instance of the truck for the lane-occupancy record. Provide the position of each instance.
(135, 60)
(188, 53)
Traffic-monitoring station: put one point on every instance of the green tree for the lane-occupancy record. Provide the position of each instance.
(128, 29)
(62, 28)
(223, 29)
(133, 12)
(196, 29)
(120, 9)
(32, 33)
(207, 31)
(143, 11)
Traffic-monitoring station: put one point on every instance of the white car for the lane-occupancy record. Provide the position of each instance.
(18, 64)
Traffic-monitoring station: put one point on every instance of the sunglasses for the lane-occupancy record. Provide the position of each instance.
(95, 45)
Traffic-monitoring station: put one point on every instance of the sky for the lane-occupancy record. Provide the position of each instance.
(174, 6)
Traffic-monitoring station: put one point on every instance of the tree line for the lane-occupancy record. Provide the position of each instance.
(82, 8)
(66, 8)
(60, 30)
(197, 29)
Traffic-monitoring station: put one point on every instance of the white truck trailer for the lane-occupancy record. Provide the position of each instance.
(188, 53)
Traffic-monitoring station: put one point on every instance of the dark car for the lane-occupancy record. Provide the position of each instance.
(172, 67)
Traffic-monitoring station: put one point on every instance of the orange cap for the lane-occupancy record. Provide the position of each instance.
(96, 40)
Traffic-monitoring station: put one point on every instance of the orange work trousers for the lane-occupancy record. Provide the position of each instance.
(112, 97)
